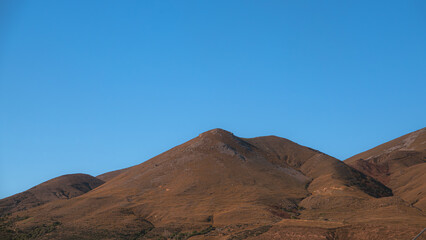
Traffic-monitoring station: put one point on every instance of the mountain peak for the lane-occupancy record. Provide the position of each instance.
(218, 132)
(218, 138)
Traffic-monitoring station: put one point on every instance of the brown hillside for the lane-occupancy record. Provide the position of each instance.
(63, 187)
(400, 164)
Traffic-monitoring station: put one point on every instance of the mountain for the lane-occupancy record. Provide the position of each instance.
(63, 187)
(220, 186)
(400, 164)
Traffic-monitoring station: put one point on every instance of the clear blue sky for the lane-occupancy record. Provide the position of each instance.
(95, 86)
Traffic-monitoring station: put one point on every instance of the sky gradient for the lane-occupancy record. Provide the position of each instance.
(95, 86)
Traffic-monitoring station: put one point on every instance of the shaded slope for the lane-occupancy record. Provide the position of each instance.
(214, 179)
(399, 164)
(325, 171)
(63, 187)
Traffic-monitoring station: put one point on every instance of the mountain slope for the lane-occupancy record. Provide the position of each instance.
(63, 187)
(400, 164)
